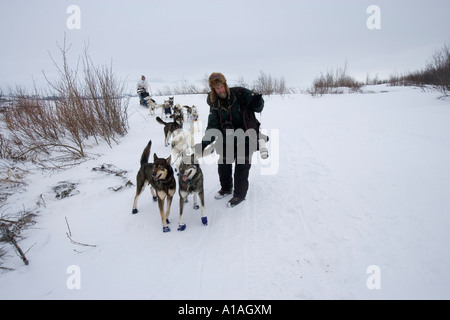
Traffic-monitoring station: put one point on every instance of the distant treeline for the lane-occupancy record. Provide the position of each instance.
(264, 83)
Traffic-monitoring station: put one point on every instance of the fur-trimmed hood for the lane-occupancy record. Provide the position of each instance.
(216, 79)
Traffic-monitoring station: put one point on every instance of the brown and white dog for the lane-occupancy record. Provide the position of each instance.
(160, 176)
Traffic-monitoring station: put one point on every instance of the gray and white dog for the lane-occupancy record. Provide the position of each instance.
(190, 181)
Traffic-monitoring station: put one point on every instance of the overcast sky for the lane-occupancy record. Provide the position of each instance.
(172, 40)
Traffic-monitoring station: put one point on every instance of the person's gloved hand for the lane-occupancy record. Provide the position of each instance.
(257, 102)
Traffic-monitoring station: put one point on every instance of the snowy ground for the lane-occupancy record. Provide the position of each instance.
(353, 181)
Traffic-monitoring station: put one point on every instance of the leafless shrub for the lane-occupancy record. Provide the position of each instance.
(59, 130)
(104, 102)
(375, 80)
(11, 230)
(12, 180)
(333, 82)
(2, 253)
(440, 69)
(164, 91)
(2, 100)
(242, 83)
(6, 150)
(435, 74)
(186, 88)
(205, 84)
(182, 88)
(264, 84)
(267, 85)
(33, 129)
(36, 128)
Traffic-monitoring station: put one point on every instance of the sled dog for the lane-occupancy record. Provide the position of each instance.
(190, 109)
(177, 111)
(190, 181)
(167, 107)
(182, 145)
(170, 127)
(159, 175)
(151, 105)
(193, 119)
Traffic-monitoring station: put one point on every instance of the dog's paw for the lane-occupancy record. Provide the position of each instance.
(166, 229)
(181, 227)
(205, 220)
(134, 211)
(167, 221)
(196, 206)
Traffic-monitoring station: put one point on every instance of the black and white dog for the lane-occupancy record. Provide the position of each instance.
(170, 127)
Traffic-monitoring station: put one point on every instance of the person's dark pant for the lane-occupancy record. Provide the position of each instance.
(142, 97)
(241, 173)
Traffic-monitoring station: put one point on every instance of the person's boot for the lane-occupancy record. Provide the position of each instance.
(235, 201)
(222, 194)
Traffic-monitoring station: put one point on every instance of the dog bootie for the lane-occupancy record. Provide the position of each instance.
(181, 227)
(205, 221)
(166, 229)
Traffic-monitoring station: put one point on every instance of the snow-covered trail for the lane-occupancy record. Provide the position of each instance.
(354, 181)
(372, 177)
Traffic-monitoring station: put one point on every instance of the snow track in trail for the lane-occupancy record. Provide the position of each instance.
(224, 263)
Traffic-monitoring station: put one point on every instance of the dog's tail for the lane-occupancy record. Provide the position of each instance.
(160, 120)
(146, 153)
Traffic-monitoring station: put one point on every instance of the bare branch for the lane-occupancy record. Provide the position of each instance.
(69, 235)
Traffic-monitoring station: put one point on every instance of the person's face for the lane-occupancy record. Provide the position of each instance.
(221, 91)
(143, 78)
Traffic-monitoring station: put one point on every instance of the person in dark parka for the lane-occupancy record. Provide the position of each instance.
(232, 121)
